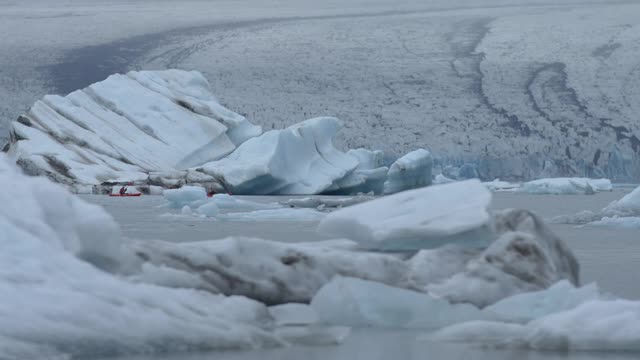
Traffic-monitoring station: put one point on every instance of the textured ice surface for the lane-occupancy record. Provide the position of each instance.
(361, 303)
(561, 296)
(56, 298)
(300, 159)
(126, 126)
(569, 186)
(411, 171)
(526, 256)
(417, 219)
(602, 325)
(323, 201)
(271, 272)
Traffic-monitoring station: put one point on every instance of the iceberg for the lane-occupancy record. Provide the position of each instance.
(411, 171)
(125, 127)
(361, 303)
(64, 288)
(285, 214)
(629, 204)
(268, 271)
(441, 179)
(417, 219)
(300, 159)
(526, 256)
(566, 186)
(596, 325)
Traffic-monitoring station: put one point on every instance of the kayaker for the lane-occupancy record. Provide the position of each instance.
(123, 190)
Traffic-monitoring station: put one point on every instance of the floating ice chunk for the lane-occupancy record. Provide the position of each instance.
(417, 219)
(625, 222)
(568, 186)
(210, 209)
(300, 159)
(185, 195)
(269, 271)
(598, 325)
(56, 300)
(629, 204)
(293, 314)
(497, 185)
(313, 335)
(186, 210)
(527, 256)
(232, 203)
(441, 179)
(356, 302)
(284, 214)
(411, 171)
(561, 296)
(316, 201)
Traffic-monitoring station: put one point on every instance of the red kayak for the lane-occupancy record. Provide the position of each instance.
(125, 195)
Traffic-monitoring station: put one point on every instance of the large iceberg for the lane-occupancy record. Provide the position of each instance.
(361, 303)
(300, 159)
(368, 176)
(411, 171)
(566, 186)
(126, 126)
(61, 293)
(417, 219)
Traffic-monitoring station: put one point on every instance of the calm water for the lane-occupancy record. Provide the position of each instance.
(611, 257)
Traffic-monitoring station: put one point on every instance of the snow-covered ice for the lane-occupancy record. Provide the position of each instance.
(411, 171)
(300, 159)
(417, 219)
(568, 186)
(361, 303)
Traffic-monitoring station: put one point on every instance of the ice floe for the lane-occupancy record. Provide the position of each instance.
(600, 325)
(361, 303)
(417, 219)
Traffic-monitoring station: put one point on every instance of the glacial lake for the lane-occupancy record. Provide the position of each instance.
(610, 257)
